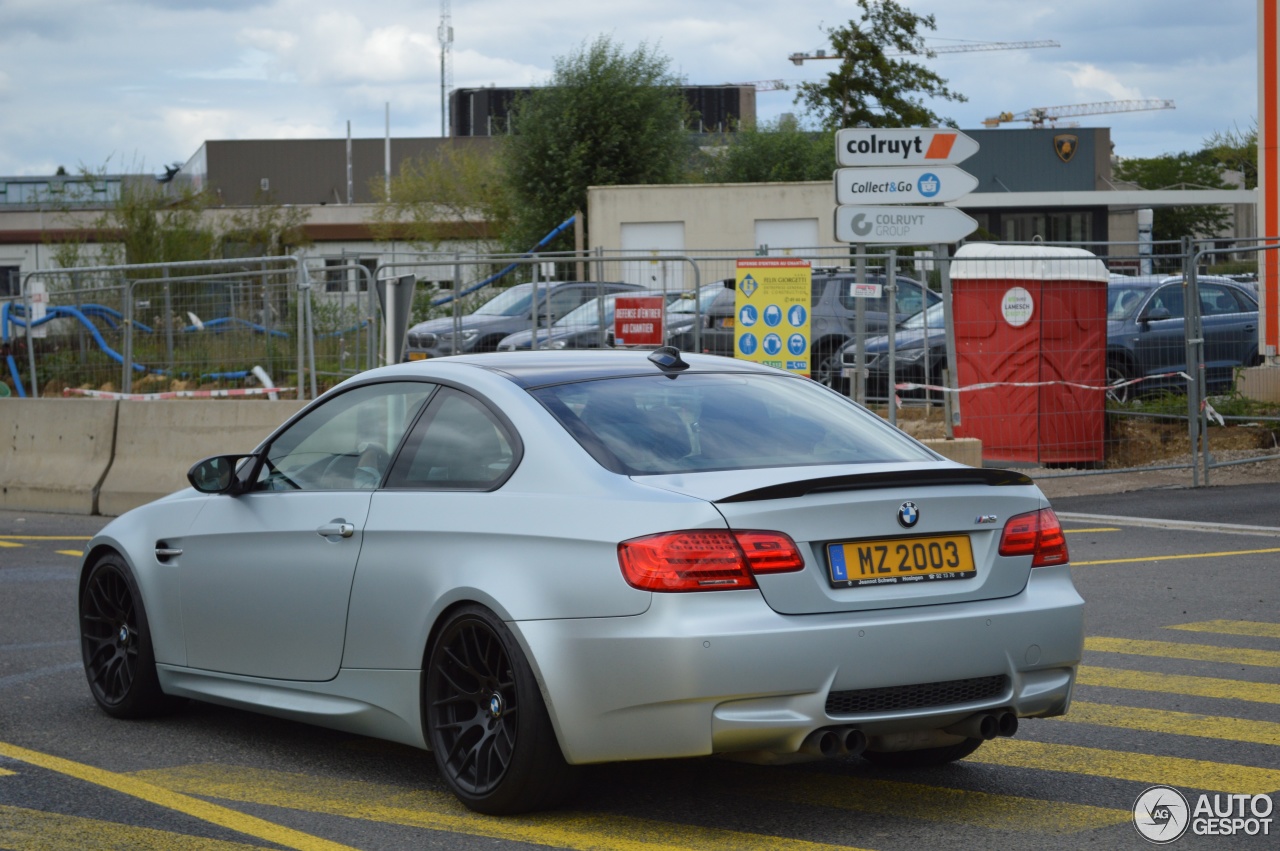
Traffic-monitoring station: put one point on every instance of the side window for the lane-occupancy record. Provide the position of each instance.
(1169, 297)
(566, 300)
(1216, 300)
(346, 443)
(458, 444)
(910, 300)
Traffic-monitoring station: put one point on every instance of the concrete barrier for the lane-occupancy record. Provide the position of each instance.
(966, 450)
(55, 453)
(157, 442)
(90, 456)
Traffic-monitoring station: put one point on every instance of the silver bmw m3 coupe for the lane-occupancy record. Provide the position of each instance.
(527, 562)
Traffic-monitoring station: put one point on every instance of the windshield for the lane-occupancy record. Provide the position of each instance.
(933, 316)
(1123, 302)
(723, 421)
(589, 313)
(516, 301)
(686, 303)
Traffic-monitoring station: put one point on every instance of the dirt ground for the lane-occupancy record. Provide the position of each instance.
(1142, 443)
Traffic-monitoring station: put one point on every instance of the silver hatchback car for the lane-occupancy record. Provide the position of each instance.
(532, 561)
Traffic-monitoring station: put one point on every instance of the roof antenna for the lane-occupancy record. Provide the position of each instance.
(668, 359)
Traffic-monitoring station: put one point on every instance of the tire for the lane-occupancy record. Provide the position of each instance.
(830, 371)
(486, 721)
(1118, 371)
(923, 758)
(115, 642)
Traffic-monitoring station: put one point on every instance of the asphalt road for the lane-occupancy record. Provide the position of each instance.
(1180, 686)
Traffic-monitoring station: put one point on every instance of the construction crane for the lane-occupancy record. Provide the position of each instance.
(799, 58)
(445, 34)
(1039, 115)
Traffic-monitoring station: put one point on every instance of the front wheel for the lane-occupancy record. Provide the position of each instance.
(923, 758)
(486, 721)
(830, 371)
(1117, 373)
(115, 641)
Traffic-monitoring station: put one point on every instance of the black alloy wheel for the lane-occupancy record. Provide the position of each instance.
(115, 642)
(486, 721)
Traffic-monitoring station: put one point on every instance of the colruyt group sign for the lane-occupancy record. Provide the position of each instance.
(892, 166)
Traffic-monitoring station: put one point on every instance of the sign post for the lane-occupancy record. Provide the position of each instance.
(887, 175)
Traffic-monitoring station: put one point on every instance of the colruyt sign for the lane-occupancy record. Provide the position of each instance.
(859, 146)
(910, 165)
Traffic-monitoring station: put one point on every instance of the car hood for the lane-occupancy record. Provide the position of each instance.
(444, 324)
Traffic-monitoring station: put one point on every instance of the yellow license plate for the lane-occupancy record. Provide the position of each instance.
(418, 355)
(892, 561)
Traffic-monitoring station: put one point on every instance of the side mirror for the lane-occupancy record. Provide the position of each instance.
(1157, 313)
(216, 474)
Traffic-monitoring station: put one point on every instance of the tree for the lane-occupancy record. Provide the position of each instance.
(1235, 150)
(777, 152)
(606, 118)
(453, 192)
(869, 87)
(1178, 171)
(265, 229)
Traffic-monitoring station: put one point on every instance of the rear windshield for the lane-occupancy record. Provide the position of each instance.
(659, 425)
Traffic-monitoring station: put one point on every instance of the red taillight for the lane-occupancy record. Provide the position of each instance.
(1037, 534)
(706, 560)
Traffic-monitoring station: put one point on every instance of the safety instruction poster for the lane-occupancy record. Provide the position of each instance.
(771, 312)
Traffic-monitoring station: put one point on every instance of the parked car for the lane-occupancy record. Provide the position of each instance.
(580, 328)
(920, 356)
(530, 561)
(1146, 333)
(509, 311)
(832, 323)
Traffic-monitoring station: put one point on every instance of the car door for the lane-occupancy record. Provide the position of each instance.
(266, 576)
(1230, 326)
(1161, 344)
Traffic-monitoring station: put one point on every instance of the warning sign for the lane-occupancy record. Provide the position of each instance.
(637, 321)
(771, 323)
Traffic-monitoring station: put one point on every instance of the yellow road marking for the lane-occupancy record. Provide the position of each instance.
(132, 786)
(1090, 675)
(1175, 723)
(940, 804)
(1099, 529)
(1261, 630)
(1176, 557)
(1177, 650)
(440, 811)
(10, 544)
(4, 772)
(76, 553)
(1122, 765)
(22, 828)
(46, 538)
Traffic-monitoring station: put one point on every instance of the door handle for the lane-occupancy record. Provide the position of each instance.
(338, 529)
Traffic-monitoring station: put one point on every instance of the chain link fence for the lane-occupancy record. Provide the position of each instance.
(1070, 366)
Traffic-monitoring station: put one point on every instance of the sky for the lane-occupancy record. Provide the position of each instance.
(135, 85)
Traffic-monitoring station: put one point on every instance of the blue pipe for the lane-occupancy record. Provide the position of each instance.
(489, 280)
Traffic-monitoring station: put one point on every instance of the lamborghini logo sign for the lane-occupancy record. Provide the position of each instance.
(1064, 145)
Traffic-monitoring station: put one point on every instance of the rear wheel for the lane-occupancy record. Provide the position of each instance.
(486, 721)
(115, 641)
(923, 758)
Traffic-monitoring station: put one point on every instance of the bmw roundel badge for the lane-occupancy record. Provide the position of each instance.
(908, 514)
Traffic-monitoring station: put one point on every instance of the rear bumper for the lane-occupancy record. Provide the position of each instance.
(722, 672)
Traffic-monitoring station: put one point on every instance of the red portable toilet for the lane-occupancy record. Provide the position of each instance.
(1031, 339)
